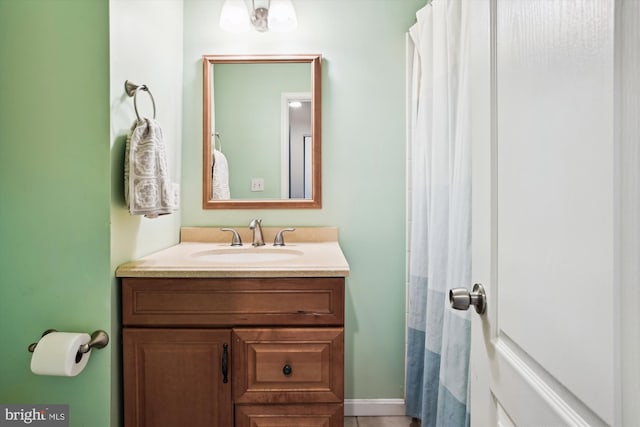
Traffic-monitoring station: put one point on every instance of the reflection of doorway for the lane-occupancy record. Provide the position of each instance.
(307, 166)
(300, 151)
(296, 148)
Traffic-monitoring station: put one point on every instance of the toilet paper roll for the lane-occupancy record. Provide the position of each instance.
(57, 354)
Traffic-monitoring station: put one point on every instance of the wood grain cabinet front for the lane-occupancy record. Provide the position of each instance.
(288, 365)
(233, 302)
(176, 377)
(317, 415)
(260, 352)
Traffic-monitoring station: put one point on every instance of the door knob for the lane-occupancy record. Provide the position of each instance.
(461, 298)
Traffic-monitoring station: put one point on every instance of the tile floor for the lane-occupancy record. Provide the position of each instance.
(380, 422)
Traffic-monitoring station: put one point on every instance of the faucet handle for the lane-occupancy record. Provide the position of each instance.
(235, 240)
(279, 240)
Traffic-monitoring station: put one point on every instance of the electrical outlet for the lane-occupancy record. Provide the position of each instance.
(257, 184)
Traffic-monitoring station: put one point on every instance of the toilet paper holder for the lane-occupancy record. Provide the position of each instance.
(99, 339)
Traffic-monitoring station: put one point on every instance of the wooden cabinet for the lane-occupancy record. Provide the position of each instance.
(175, 377)
(260, 352)
(292, 415)
(281, 365)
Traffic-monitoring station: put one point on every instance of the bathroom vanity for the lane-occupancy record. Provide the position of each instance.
(215, 335)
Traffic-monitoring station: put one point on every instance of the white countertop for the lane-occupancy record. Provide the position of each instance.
(206, 252)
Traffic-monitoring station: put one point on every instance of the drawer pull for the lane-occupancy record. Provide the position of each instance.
(287, 370)
(225, 363)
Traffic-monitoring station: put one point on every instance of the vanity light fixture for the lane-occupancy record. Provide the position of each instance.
(295, 104)
(263, 15)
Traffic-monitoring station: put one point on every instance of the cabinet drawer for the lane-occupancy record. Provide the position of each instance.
(319, 415)
(233, 301)
(288, 365)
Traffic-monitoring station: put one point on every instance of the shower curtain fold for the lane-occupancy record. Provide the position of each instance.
(440, 215)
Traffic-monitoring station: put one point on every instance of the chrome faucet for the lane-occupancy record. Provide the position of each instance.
(256, 226)
(279, 240)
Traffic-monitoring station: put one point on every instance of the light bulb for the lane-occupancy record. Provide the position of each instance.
(282, 16)
(234, 16)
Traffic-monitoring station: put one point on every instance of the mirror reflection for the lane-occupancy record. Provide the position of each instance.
(261, 131)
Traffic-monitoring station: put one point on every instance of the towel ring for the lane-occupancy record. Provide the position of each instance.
(132, 91)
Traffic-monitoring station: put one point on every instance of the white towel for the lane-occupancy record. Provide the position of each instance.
(220, 177)
(148, 190)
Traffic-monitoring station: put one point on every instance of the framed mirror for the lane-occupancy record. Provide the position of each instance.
(261, 131)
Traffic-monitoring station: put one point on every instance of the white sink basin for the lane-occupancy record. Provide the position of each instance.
(247, 255)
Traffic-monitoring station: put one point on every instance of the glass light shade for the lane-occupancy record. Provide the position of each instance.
(282, 16)
(234, 16)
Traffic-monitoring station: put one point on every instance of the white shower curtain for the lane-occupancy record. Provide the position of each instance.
(440, 215)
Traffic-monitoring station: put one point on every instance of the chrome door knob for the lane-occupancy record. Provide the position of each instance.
(461, 298)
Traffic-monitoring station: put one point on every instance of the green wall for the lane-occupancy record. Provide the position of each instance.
(54, 182)
(363, 153)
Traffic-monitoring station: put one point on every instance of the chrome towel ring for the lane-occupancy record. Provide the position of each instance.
(132, 91)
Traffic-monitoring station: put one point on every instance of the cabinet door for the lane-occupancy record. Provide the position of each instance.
(176, 377)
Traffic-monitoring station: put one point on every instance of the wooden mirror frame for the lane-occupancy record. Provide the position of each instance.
(315, 202)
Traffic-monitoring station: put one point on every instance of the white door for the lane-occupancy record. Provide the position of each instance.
(551, 216)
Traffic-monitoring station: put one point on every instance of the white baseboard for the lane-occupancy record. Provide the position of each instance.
(374, 407)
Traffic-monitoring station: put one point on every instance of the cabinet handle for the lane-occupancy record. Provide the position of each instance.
(287, 370)
(225, 363)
